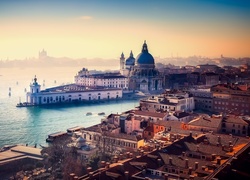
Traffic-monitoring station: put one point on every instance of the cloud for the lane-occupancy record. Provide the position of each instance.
(85, 18)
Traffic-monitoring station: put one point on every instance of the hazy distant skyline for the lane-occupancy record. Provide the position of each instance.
(105, 29)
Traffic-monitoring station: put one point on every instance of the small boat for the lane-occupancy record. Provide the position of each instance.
(25, 104)
(101, 113)
(88, 113)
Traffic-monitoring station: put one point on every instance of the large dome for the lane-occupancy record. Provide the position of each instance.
(145, 57)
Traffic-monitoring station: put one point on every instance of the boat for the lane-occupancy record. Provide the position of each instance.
(88, 113)
(25, 104)
(101, 113)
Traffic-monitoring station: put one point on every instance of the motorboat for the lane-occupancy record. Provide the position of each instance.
(88, 113)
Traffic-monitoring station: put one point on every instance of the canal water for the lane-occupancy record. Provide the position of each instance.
(31, 125)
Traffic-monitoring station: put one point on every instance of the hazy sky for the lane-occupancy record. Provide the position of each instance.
(105, 28)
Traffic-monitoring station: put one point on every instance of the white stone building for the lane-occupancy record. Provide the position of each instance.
(70, 93)
(114, 80)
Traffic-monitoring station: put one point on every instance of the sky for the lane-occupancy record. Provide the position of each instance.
(105, 29)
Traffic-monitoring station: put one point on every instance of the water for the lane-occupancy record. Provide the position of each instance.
(33, 124)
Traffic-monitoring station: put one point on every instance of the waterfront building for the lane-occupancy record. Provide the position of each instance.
(70, 93)
(110, 80)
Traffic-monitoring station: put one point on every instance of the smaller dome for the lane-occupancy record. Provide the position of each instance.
(131, 60)
(81, 140)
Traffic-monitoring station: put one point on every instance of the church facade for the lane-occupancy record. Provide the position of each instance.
(142, 74)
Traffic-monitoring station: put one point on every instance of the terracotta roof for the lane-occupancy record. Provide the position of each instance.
(123, 136)
(206, 121)
(234, 119)
(151, 114)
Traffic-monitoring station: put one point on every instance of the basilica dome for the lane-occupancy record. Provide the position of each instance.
(145, 58)
(131, 60)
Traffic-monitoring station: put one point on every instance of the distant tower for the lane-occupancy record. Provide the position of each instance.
(35, 87)
(43, 54)
(122, 62)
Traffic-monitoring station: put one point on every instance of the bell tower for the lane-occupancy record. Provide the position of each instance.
(122, 63)
(35, 87)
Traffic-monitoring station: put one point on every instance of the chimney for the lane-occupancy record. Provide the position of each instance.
(190, 170)
(186, 163)
(170, 160)
(166, 176)
(91, 175)
(89, 169)
(196, 165)
(127, 154)
(218, 160)
(103, 163)
(115, 159)
(219, 139)
(126, 175)
(122, 167)
(71, 176)
(213, 156)
(121, 156)
(223, 147)
(191, 177)
(107, 165)
(203, 168)
(159, 162)
(142, 152)
(183, 153)
(231, 148)
(130, 155)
